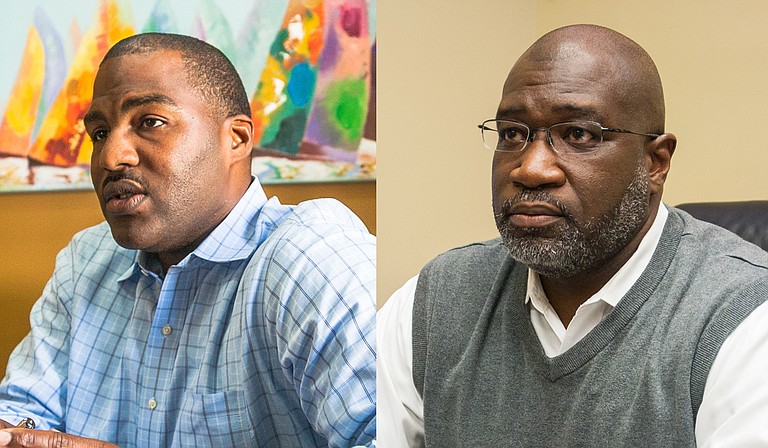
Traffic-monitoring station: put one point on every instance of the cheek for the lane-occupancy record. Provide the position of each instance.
(196, 168)
(600, 189)
(498, 192)
(96, 178)
(182, 158)
(501, 185)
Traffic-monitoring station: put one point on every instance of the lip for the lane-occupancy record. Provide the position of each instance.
(534, 214)
(122, 197)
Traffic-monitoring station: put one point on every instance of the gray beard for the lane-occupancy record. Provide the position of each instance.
(577, 248)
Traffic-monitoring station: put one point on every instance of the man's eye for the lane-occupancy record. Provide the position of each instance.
(152, 123)
(579, 135)
(512, 134)
(98, 135)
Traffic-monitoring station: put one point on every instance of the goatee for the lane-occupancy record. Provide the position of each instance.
(577, 247)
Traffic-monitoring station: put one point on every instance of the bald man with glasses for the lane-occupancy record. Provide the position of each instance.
(600, 317)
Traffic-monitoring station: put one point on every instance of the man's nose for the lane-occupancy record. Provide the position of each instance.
(538, 166)
(116, 152)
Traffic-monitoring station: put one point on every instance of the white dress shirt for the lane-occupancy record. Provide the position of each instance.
(734, 408)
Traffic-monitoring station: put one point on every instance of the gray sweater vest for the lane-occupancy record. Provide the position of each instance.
(637, 379)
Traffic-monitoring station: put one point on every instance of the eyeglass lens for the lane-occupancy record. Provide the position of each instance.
(566, 138)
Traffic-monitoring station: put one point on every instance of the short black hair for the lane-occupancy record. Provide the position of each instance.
(208, 70)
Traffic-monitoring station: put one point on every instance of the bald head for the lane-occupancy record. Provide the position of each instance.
(611, 60)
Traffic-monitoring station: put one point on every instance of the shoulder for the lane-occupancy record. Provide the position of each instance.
(710, 248)
(93, 240)
(320, 244)
(93, 249)
(715, 276)
(326, 213)
(469, 257)
(317, 264)
(93, 237)
(318, 228)
(466, 273)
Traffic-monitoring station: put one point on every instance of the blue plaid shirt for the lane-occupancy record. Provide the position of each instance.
(263, 336)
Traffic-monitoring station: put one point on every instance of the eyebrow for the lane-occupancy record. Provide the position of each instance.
(581, 112)
(153, 98)
(132, 103)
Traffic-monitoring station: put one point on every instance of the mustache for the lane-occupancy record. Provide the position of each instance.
(125, 175)
(532, 196)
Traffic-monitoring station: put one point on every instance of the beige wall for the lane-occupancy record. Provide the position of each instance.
(441, 67)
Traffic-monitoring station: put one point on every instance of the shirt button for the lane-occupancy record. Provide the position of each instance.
(167, 330)
(152, 404)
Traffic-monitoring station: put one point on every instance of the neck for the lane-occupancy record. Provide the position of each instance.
(566, 295)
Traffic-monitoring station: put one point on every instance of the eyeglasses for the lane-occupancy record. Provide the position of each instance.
(572, 137)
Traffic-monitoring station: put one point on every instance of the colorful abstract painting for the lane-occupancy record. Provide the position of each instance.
(309, 66)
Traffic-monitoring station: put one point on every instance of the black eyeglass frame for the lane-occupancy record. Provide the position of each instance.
(532, 133)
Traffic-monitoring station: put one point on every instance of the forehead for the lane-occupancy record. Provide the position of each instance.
(565, 83)
(139, 75)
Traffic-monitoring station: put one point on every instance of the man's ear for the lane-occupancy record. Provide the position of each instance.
(239, 136)
(660, 152)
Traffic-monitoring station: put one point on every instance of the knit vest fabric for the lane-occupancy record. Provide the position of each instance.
(637, 379)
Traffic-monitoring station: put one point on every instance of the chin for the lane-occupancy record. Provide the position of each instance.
(132, 238)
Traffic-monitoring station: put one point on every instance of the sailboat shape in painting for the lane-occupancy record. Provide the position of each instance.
(213, 27)
(62, 140)
(281, 104)
(19, 118)
(160, 19)
(254, 39)
(340, 104)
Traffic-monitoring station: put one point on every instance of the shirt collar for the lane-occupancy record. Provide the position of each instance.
(244, 228)
(618, 285)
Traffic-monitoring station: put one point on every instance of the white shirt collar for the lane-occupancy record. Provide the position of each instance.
(554, 336)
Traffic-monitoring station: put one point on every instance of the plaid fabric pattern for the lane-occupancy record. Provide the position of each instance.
(263, 336)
